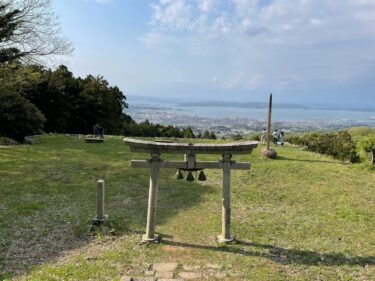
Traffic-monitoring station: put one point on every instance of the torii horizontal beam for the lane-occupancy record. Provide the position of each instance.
(184, 165)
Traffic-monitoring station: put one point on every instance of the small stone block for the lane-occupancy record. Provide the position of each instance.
(99, 222)
(223, 240)
(165, 266)
(190, 275)
(144, 279)
(126, 278)
(272, 154)
(164, 274)
(170, 280)
(191, 267)
(213, 266)
(155, 239)
(149, 272)
(94, 140)
(221, 275)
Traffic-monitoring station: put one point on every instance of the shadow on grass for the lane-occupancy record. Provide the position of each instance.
(311, 161)
(281, 255)
(41, 236)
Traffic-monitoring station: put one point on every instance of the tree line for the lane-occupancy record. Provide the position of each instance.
(34, 99)
(147, 129)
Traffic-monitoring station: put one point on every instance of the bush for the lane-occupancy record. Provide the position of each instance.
(339, 145)
(7, 141)
(255, 137)
(358, 133)
(18, 117)
(367, 144)
(237, 137)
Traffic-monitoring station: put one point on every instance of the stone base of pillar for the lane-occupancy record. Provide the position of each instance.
(99, 222)
(155, 239)
(223, 240)
(272, 154)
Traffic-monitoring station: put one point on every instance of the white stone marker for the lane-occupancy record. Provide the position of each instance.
(101, 217)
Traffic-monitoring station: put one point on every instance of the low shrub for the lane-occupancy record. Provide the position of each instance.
(339, 145)
(255, 137)
(237, 137)
(7, 141)
(367, 144)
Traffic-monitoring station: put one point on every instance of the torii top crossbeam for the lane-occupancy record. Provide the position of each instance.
(188, 148)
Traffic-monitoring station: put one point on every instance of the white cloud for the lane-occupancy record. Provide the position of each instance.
(171, 14)
(268, 41)
(316, 22)
(236, 16)
(222, 24)
(213, 80)
(206, 5)
(245, 8)
(362, 2)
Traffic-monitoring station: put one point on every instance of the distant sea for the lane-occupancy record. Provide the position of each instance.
(278, 114)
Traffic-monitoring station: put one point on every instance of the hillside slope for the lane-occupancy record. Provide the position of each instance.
(300, 217)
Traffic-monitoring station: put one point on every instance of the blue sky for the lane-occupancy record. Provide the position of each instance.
(307, 51)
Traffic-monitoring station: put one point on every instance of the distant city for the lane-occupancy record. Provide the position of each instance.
(227, 119)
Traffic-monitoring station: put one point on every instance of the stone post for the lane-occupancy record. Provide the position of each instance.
(225, 236)
(100, 200)
(150, 235)
(101, 218)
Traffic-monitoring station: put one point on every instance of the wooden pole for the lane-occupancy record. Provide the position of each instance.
(269, 122)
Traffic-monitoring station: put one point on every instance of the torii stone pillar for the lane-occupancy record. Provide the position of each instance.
(190, 164)
(225, 223)
(152, 198)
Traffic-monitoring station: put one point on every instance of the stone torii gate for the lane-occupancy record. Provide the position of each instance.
(155, 163)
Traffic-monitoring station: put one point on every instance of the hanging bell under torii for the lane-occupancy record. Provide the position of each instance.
(190, 161)
(179, 175)
(190, 176)
(202, 176)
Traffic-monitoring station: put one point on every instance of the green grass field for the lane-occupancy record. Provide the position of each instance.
(300, 217)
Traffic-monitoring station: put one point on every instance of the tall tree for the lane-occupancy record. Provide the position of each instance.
(100, 103)
(56, 94)
(188, 133)
(30, 31)
(74, 105)
(18, 116)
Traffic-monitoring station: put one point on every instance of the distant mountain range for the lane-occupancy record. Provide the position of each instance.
(243, 104)
(265, 105)
(182, 102)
